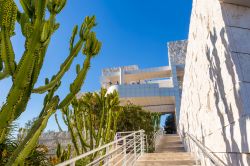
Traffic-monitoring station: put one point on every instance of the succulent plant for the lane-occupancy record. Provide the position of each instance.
(38, 30)
(92, 120)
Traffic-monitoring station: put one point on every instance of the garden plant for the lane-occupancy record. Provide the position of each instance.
(37, 20)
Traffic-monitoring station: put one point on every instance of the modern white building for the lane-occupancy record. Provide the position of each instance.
(155, 89)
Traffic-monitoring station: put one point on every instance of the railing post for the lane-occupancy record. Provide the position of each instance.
(146, 139)
(107, 152)
(124, 152)
(142, 146)
(135, 145)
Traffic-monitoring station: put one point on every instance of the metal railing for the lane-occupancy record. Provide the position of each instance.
(124, 150)
(157, 136)
(119, 135)
(197, 147)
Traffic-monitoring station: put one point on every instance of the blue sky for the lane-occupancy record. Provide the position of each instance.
(132, 32)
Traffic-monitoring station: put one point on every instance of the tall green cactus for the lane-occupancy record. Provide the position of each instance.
(63, 154)
(92, 120)
(38, 30)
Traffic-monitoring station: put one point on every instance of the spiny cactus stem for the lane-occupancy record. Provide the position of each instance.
(3, 75)
(108, 125)
(59, 127)
(79, 132)
(40, 10)
(18, 96)
(76, 85)
(64, 68)
(91, 131)
(31, 139)
(73, 136)
(101, 125)
(7, 52)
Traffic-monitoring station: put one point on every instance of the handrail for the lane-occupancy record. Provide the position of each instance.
(157, 136)
(215, 159)
(127, 144)
(122, 133)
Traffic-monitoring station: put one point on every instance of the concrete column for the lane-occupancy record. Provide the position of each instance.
(121, 76)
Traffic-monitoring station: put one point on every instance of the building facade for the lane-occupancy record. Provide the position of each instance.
(155, 89)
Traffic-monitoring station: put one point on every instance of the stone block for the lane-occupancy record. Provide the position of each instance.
(238, 2)
(239, 39)
(228, 159)
(244, 60)
(236, 16)
(244, 92)
(236, 67)
(218, 146)
(243, 159)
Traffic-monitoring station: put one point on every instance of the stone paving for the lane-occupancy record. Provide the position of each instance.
(169, 152)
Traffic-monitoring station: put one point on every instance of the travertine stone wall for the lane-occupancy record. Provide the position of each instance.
(177, 51)
(215, 105)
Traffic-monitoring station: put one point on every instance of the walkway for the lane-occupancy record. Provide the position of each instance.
(169, 152)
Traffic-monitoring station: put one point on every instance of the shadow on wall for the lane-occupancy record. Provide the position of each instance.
(235, 134)
(215, 74)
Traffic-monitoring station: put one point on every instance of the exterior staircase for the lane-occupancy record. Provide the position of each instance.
(169, 152)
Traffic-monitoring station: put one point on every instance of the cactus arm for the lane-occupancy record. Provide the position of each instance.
(25, 7)
(8, 16)
(79, 132)
(3, 75)
(64, 119)
(85, 126)
(63, 69)
(7, 52)
(101, 100)
(21, 89)
(59, 127)
(8, 12)
(1, 61)
(107, 133)
(91, 131)
(59, 152)
(79, 128)
(33, 43)
(116, 115)
(19, 93)
(31, 139)
(101, 125)
(70, 128)
(47, 31)
(76, 85)
(3, 134)
(72, 39)
(91, 49)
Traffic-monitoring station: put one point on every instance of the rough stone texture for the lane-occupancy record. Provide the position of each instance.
(238, 2)
(215, 105)
(177, 54)
(177, 51)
